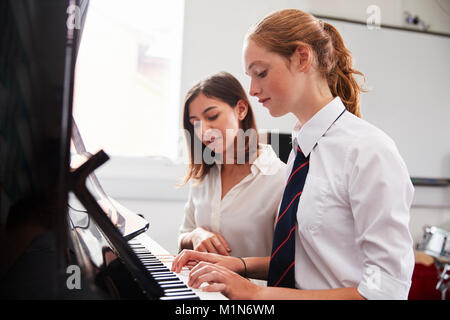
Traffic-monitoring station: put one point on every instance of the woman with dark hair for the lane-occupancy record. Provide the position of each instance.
(237, 181)
(342, 229)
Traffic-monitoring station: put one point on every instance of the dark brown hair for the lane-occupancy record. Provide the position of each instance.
(283, 31)
(227, 88)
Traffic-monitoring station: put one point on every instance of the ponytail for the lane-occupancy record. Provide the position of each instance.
(283, 31)
(341, 80)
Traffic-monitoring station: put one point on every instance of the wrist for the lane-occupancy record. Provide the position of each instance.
(195, 236)
(243, 269)
(259, 293)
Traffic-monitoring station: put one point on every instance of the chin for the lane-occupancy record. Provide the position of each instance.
(276, 113)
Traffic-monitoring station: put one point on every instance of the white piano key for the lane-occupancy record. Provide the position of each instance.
(144, 241)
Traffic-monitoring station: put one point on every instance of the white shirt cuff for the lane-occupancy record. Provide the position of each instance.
(378, 285)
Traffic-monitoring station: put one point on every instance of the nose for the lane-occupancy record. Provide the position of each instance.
(254, 88)
(199, 128)
(205, 130)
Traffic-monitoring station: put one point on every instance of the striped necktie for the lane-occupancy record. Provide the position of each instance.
(282, 260)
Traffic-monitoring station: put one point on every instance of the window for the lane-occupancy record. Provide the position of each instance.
(127, 78)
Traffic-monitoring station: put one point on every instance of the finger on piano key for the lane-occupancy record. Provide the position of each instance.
(151, 252)
(191, 264)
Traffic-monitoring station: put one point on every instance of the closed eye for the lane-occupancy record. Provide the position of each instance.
(262, 74)
(212, 118)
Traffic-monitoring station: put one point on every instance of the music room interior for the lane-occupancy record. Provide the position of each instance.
(93, 152)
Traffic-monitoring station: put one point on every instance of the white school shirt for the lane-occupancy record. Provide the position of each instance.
(354, 211)
(245, 217)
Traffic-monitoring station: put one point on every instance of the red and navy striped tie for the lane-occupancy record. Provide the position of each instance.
(282, 260)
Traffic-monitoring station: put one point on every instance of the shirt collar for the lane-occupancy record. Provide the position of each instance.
(265, 161)
(307, 135)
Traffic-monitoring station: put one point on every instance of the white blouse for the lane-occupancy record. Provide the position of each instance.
(245, 217)
(354, 212)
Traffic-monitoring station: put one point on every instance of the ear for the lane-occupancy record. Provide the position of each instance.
(302, 57)
(241, 109)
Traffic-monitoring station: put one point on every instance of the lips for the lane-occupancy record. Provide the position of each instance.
(263, 100)
(212, 140)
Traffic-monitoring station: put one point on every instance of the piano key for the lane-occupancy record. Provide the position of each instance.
(152, 263)
(156, 269)
(161, 273)
(174, 285)
(190, 297)
(148, 251)
(161, 278)
(169, 290)
(178, 294)
(170, 282)
(150, 260)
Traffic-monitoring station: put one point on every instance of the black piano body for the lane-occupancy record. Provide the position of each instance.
(41, 250)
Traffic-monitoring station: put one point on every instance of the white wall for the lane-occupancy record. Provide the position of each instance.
(213, 35)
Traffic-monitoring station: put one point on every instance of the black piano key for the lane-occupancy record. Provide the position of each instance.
(162, 267)
(148, 258)
(151, 265)
(153, 269)
(173, 287)
(143, 252)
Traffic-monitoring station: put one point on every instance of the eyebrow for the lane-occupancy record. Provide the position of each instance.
(253, 64)
(204, 111)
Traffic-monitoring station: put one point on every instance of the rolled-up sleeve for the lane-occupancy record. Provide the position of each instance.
(381, 192)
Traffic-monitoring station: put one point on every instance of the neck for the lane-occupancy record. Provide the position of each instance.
(232, 162)
(318, 97)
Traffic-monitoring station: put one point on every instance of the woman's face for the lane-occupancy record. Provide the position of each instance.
(273, 79)
(215, 122)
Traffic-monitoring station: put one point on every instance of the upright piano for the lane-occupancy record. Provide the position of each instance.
(124, 264)
(42, 238)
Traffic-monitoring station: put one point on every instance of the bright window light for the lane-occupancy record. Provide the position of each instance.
(127, 78)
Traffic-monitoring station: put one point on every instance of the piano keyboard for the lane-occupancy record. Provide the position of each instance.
(159, 262)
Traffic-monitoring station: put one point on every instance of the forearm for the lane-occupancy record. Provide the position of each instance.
(257, 267)
(269, 293)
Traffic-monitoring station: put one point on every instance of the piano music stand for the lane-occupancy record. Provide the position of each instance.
(118, 243)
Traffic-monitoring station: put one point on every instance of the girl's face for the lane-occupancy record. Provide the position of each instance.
(274, 80)
(215, 122)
